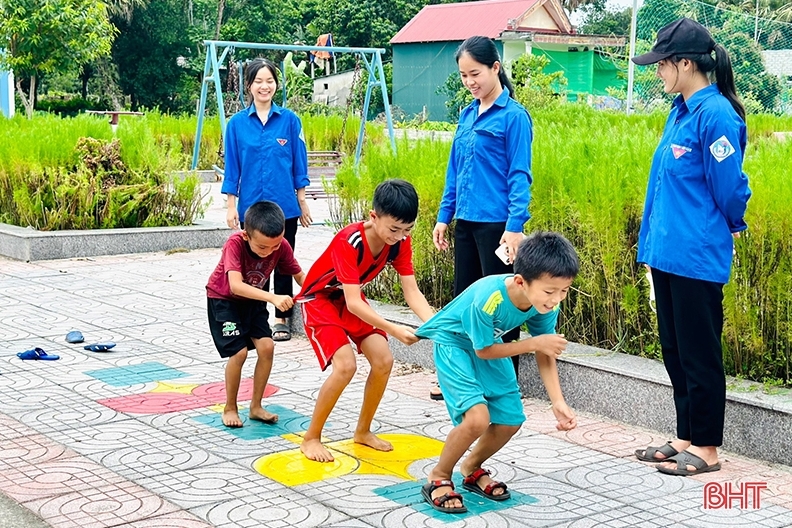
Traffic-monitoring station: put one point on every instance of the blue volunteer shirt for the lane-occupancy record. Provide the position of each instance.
(479, 316)
(265, 162)
(489, 169)
(697, 192)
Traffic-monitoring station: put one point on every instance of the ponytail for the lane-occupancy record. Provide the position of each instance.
(505, 82)
(724, 77)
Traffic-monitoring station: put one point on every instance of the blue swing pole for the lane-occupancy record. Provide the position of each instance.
(201, 109)
(213, 63)
(385, 100)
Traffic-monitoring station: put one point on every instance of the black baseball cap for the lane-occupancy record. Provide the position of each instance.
(681, 37)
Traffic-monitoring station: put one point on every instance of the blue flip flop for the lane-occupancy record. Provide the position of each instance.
(37, 353)
(75, 336)
(100, 347)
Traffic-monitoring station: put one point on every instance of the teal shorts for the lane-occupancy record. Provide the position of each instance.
(467, 380)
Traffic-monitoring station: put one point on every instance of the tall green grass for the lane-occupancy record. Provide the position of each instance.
(590, 171)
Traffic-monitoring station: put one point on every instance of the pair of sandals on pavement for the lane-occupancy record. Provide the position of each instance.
(470, 483)
(683, 460)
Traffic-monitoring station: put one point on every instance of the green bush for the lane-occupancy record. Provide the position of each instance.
(69, 174)
(590, 170)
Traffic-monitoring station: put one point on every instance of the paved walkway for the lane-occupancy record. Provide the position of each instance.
(132, 437)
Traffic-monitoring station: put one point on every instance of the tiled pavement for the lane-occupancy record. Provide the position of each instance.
(130, 437)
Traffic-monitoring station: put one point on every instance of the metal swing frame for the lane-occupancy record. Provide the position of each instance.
(372, 58)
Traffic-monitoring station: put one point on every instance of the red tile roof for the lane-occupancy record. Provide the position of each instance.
(449, 22)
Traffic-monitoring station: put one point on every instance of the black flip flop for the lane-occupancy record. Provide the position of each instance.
(282, 329)
(685, 459)
(648, 454)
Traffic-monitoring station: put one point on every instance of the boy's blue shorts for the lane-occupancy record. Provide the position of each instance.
(467, 380)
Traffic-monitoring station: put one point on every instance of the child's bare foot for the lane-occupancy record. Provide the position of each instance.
(231, 418)
(374, 442)
(263, 415)
(314, 450)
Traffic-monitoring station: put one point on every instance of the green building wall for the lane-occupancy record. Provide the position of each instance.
(419, 69)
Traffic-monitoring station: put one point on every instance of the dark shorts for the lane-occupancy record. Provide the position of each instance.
(234, 324)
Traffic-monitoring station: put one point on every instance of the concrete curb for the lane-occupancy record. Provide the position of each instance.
(632, 390)
(29, 245)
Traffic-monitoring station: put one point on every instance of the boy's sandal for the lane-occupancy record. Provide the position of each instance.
(648, 454)
(37, 354)
(100, 347)
(75, 336)
(685, 459)
(282, 329)
(438, 502)
(470, 483)
(435, 393)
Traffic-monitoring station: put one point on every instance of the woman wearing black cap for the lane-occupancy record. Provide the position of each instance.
(695, 203)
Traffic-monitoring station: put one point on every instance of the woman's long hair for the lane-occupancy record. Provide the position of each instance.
(484, 51)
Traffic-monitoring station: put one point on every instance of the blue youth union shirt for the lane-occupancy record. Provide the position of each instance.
(697, 192)
(479, 316)
(265, 162)
(489, 169)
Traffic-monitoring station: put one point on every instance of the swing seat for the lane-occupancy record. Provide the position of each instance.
(322, 166)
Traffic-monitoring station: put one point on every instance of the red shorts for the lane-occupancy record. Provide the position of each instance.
(330, 325)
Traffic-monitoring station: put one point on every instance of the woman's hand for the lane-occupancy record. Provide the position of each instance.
(439, 236)
(232, 218)
(305, 214)
(512, 241)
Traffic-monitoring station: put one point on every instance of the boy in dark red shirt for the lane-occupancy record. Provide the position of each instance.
(237, 303)
(335, 310)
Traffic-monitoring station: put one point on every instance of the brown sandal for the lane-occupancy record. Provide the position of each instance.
(470, 483)
(438, 502)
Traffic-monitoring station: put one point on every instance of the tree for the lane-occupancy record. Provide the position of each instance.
(147, 51)
(572, 5)
(42, 36)
(599, 20)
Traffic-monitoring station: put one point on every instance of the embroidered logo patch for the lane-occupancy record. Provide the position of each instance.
(679, 150)
(282, 141)
(721, 149)
(230, 329)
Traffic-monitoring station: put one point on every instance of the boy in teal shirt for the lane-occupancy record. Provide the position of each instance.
(475, 371)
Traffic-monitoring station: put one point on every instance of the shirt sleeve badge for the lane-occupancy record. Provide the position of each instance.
(721, 149)
(282, 141)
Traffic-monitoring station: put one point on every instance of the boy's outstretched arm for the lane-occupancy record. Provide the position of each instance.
(357, 306)
(548, 371)
(299, 278)
(415, 298)
(550, 345)
(241, 289)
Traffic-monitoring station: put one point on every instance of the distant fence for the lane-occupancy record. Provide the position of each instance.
(760, 49)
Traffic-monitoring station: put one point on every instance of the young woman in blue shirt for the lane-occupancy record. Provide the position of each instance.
(488, 180)
(695, 206)
(266, 159)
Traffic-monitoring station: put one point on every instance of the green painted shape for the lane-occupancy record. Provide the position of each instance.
(409, 494)
(289, 422)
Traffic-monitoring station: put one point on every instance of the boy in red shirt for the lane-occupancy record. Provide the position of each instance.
(335, 310)
(237, 303)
